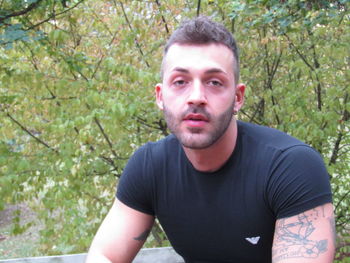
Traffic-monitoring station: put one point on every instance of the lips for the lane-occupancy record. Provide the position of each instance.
(195, 120)
(196, 117)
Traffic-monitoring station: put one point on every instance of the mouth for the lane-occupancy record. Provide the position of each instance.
(195, 117)
(195, 120)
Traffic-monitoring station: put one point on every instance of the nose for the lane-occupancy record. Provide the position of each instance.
(197, 94)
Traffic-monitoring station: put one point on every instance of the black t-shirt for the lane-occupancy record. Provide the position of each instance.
(228, 215)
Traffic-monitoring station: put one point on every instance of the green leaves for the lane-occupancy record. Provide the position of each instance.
(5, 99)
(237, 7)
(58, 36)
(286, 15)
(82, 82)
(14, 33)
(18, 227)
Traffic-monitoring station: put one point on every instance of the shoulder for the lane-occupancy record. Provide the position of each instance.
(266, 136)
(278, 149)
(286, 145)
(292, 168)
(151, 156)
(298, 181)
(157, 150)
(136, 186)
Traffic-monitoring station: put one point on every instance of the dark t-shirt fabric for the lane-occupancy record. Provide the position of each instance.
(228, 215)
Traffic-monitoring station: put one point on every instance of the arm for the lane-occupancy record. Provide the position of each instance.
(308, 237)
(120, 236)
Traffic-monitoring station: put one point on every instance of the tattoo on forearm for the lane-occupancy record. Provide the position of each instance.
(292, 237)
(143, 236)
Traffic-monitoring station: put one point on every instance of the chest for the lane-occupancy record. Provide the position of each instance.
(223, 219)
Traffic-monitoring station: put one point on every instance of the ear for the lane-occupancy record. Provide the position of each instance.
(159, 96)
(239, 97)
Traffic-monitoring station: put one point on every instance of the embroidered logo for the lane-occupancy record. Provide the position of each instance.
(253, 240)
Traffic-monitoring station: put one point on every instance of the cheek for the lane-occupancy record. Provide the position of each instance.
(172, 101)
(223, 102)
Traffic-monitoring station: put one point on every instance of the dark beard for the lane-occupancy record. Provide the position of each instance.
(221, 123)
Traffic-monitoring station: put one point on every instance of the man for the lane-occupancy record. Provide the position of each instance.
(223, 190)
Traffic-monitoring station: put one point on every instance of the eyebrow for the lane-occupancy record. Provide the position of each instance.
(183, 70)
(209, 71)
(215, 70)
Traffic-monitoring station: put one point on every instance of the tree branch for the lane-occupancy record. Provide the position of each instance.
(341, 200)
(163, 19)
(105, 136)
(60, 98)
(299, 53)
(102, 56)
(144, 122)
(198, 7)
(163, 127)
(337, 146)
(131, 29)
(32, 59)
(109, 161)
(271, 71)
(259, 108)
(30, 133)
(22, 12)
(54, 15)
(319, 86)
(101, 21)
(335, 151)
(313, 68)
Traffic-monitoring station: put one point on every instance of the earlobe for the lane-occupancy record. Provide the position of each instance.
(160, 105)
(159, 96)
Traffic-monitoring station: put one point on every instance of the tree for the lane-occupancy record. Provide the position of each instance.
(19, 24)
(77, 79)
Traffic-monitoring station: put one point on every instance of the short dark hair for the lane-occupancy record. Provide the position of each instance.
(202, 30)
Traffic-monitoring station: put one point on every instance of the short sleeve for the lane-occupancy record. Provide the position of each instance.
(299, 181)
(135, 185)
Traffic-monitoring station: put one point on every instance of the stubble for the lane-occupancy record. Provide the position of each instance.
(196, 137)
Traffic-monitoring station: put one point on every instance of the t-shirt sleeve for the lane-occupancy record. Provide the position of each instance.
(299, 182)
(134, 188)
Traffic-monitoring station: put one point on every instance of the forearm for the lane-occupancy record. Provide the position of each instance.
(120, 236)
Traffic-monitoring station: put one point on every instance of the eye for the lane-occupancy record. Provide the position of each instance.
(215, 83)
(179, 83)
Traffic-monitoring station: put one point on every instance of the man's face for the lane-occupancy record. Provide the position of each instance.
(198, 93)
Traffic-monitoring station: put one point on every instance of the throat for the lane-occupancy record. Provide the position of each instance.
(209, 165)
(214, 157)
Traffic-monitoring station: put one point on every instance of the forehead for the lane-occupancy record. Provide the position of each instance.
(198, 57)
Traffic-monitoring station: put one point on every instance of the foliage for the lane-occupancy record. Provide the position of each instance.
(20, 19)
(76, 82)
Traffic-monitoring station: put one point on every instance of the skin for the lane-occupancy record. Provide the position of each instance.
(306, 237)
(120, 236)
(200, 80)
(198, 96)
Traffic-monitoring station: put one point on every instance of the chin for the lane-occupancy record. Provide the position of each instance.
(199, 143)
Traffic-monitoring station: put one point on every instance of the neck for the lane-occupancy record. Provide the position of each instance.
(214, 157)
